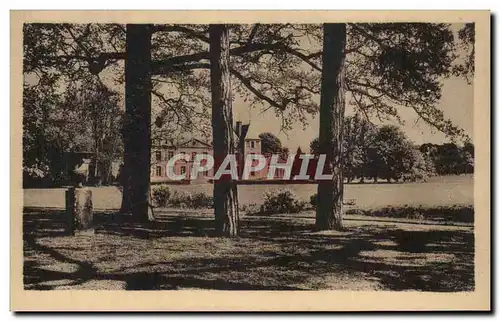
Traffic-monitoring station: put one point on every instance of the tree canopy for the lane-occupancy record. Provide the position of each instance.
(388, 66)
(385, 152)
(270, 143)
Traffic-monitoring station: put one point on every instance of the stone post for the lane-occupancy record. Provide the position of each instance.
(79, 210)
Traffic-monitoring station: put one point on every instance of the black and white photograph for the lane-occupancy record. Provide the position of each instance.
(292, 156)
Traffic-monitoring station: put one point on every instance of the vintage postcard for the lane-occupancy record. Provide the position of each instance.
(250, 160)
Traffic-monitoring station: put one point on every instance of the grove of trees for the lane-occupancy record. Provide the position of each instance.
(189, 71)
(384, 152)
(85, 117)
(449, 158)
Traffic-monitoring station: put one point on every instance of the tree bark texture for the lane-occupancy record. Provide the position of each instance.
(225, 189)
(332, 107)
(137, 127)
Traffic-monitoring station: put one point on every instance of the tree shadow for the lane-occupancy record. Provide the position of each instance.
(398, 259)
(163, 226)
(157, 281)
(45, 222)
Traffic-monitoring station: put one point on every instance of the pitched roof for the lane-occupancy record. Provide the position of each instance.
(251, 133)
(193, 142)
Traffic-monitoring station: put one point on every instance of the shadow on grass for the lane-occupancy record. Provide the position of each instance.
(396, 259)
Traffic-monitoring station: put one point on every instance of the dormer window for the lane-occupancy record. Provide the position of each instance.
(252, 144)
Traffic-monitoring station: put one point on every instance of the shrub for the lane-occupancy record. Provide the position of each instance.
(201, 200)
(188, 200)
(251, 209)
(455, 213)
(161, 195)
(313, 200)
(179, 199)
(355, 211)
(282, 201)
(405, 212)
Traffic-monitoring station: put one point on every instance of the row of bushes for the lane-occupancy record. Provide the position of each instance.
(163, 197)
(286, 201)
(454, 213)
(276, 201)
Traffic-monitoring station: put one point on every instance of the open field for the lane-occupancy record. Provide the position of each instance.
(439, 191)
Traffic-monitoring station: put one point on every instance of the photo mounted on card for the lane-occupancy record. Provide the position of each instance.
(310, 160)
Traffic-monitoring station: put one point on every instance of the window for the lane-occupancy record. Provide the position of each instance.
(158, 170)
(280, 173)
(252, 144)
(183, 170)
(170, 154)
(158, 155)
(204, 159)
(193, 155)
(252, 173)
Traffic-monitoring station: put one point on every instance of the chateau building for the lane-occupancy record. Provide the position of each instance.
(247, 141)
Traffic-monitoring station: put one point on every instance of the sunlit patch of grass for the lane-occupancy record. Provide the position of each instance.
(273, 252)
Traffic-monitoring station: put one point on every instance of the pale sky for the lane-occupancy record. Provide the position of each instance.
(456, 103)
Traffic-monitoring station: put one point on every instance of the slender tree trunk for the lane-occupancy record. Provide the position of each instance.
(332, 106)
(225, 189)
(137, 127)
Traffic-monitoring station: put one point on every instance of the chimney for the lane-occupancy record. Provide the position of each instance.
(238, 129)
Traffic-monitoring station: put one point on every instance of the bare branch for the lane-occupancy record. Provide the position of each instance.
(253, 33)
(178, 28)
(248, 84)
(165, 66)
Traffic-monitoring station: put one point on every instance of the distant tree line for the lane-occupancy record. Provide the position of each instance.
(449, 158)
(384, 152)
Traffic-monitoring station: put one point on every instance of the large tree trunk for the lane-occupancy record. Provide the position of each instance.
(332, 106)
(225, 189)
(124, 179)
(137, 127)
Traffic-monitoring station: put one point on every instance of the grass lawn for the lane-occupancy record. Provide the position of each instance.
(279, 252)
(439, 191)
(273, 252)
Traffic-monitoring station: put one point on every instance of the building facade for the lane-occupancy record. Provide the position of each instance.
(162, 154)
(247, 141)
